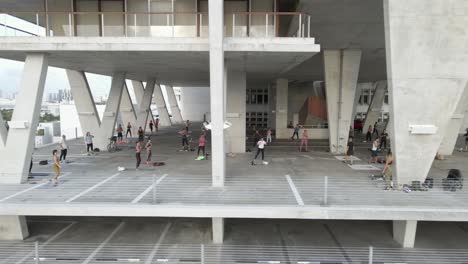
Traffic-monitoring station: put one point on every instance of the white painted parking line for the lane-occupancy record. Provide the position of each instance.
(51, 239)
(149, 260)
(145, 192)
(294, 190)
(32, 188)
(92, 188)
(103, 244)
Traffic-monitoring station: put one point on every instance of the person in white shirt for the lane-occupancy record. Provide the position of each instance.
(260, 149)
(63, 148)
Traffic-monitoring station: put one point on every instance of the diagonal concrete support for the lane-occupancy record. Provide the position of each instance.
(426, 80)
(404, 232)
(164, 119)
(144, 102)
(127, 110)
(17, 144)
(451, 135)
(341, 75)
(217, 87)
(86, 108)
(175, 110)
(375, 107)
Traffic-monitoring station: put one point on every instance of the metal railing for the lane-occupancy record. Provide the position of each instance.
(159, 24)
(35, 252)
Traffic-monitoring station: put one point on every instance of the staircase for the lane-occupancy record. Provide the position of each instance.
(313, 112)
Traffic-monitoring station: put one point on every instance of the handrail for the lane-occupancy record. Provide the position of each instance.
(147, 13)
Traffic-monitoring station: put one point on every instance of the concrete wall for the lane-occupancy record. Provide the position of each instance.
(194, 102)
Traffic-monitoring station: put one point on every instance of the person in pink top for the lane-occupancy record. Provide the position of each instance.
(304, 140)
(268, 136)
(201, 144)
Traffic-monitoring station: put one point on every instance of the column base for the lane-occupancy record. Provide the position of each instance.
(218, 230)
(404, 232)
(13, 227)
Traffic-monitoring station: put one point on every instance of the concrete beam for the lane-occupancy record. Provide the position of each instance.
(13, 227)
(425, 80)
(17, 144)
(236, 107)
(341, 75)
(375, 107)
(456, 124)
(281, 111)
(164, 119)
(404, 232)
(218, 230)
(217, 96)
(175, 110)
(86, 108)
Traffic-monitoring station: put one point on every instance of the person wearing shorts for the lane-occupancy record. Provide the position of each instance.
(138, 154)
(119, 133)
(56, 166)
(129, 130)
(304, 140)
(201, 145)
(89, 142)
(149, 151)
(374, 150)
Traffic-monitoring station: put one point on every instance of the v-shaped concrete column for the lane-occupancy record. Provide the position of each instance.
(86, 108)
(164, 119)
(144, 97)
(17, 144)
(175, 110)
(127, 110)
(341, 75)
(375, 107)
(426, 78)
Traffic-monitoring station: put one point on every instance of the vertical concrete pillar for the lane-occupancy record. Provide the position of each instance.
(127, 110)
(404, 232)
(16, 145)
(375, 107)
(164, 119)
(218, 230)
(13, 227)
(217, 97)
(175, 110)
(144, 97)
(425, 80)
(86, 108)
(236, 97)
(456, 123)
(341, 75)
(281, 122)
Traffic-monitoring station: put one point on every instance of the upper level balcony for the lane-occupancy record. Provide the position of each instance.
(152, 24)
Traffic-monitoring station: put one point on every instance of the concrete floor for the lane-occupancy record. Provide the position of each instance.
(183, 180)
(179, 240)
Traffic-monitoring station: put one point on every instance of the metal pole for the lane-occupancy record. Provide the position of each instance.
(233, 25)
(76, 132)
(37, 23)
(325, 191)
(154, 189)
(135, 24)
(308, 27)
(102, 24)
(202, 254)
(70, 24)
(300, 26)
(371, 255)
(266, 25)
(201, 24)
(36, 252)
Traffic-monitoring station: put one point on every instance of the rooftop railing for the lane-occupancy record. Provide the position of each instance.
(51, 252)
(154, 24)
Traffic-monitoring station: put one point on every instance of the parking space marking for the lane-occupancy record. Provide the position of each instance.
(294, 190)
(51, 239)
(149, 260)
(91, 188)
(104, 243)
(145, 192)
(31, 188)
